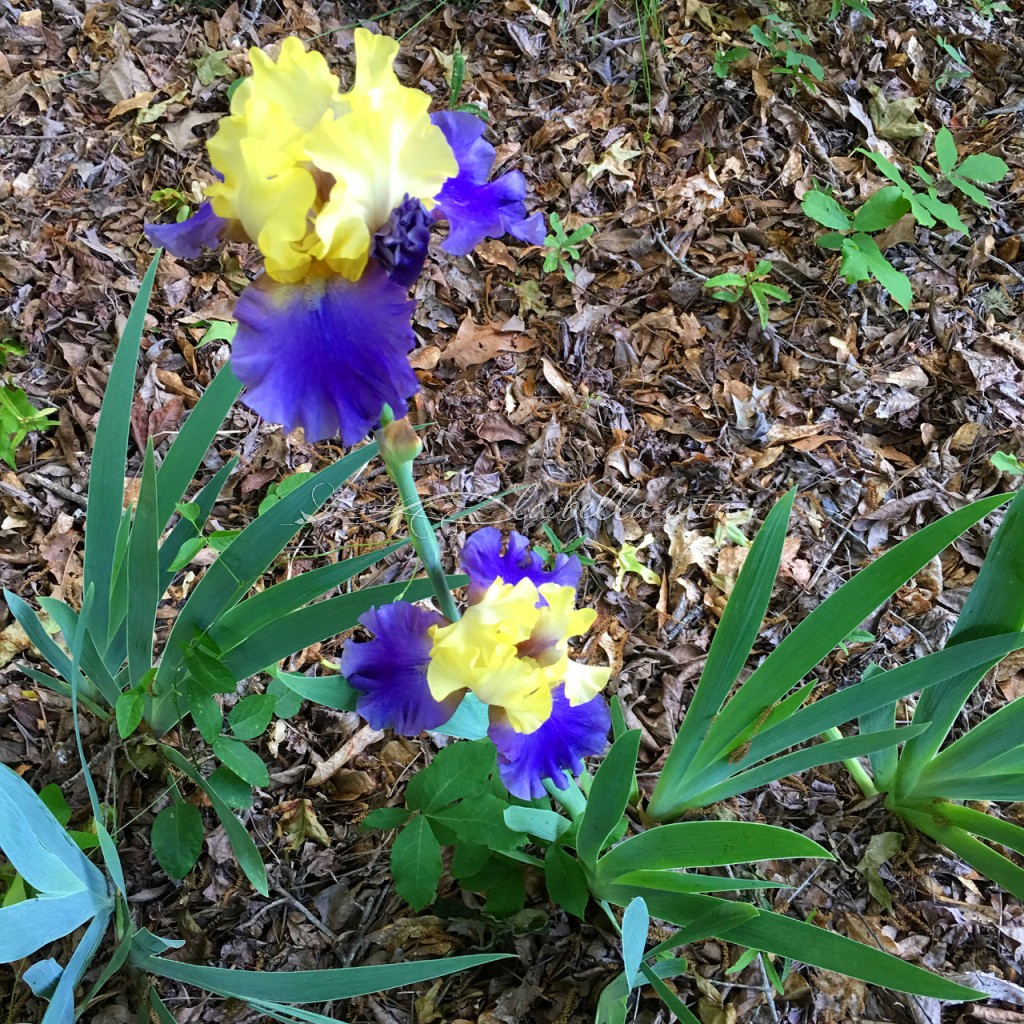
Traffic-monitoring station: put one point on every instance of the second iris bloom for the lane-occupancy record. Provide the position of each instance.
(510, 649)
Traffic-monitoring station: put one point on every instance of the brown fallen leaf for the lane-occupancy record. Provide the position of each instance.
(474, 343)
(299, 822)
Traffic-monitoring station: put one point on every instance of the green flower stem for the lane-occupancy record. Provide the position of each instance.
(854, 767)
(571, 799)
(399, 447)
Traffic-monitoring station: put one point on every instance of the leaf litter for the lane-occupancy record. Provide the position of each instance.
(629, 407)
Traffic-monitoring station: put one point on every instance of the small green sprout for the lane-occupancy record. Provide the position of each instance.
(626, 561)
(18, 418)
(559, 547)
(732, 288)
(560, 247)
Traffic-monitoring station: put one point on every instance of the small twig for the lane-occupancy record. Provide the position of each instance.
(59, 489)
(767, 989)
(681, 264)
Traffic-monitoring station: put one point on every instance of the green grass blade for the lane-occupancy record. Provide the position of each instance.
(991, 738)
(687, 881)
(93, 665)
(59, 686)
(987, 826)
(829, 624)
(142, 573)
(877, 690)
(109, 455)
(242, 846)
(609, 796)
(310, 986)
(697, 844)
(731, 646)
(982, 858)
(994, 605)
(884, 763)
(805, 943)
(247, 557)
(269, 606)
(183, 458)
(674, 1004)
(828, 752)
(115, 650)
(1009, 788)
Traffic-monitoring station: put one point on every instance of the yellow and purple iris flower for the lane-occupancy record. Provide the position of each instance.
(339, 191)
(510, 649)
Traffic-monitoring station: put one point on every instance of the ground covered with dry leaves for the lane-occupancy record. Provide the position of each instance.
(629, 404)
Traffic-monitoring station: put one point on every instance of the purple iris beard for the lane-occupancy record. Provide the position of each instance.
(400, 247)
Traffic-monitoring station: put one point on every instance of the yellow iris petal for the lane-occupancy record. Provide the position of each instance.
(312, 173)
(386, 148)
(512, 653)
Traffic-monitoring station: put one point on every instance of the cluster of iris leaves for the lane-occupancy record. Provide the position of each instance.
(600, 847)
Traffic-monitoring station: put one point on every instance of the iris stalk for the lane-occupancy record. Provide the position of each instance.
(399, 447)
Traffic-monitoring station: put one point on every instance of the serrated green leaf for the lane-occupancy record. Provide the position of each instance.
(945, 150)
(896, 283)
(235, 792)
(459, 771)
(128, 711)
(480, 820)
(416, 863)
(881, 210)
(205, 711)
(983, 167)
(566, 881)
(385, 817)
(188, 550)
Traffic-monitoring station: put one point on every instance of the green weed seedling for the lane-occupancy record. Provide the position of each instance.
(855, 5)
(18, 418)
(861, 259)
(733, 288)
(851, 232)
(725, 60)
(458, 75)
(958, 69)
(558, 547)
(780, 38)
(560, 247)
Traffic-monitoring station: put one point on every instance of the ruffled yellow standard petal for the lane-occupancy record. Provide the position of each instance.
(312, 173)
(512, 653)
(260, 151)
(382, 150)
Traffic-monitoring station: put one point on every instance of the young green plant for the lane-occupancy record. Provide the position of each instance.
(733, 287)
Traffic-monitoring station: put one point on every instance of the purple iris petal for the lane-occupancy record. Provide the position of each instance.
(326, 354)
(484, 561)
(561, 743)
(390, 671)
(475, 208)
(203, 230)
(400, 247)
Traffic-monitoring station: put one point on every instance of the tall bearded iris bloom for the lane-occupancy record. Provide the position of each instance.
(510, 649)
(339, 190)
